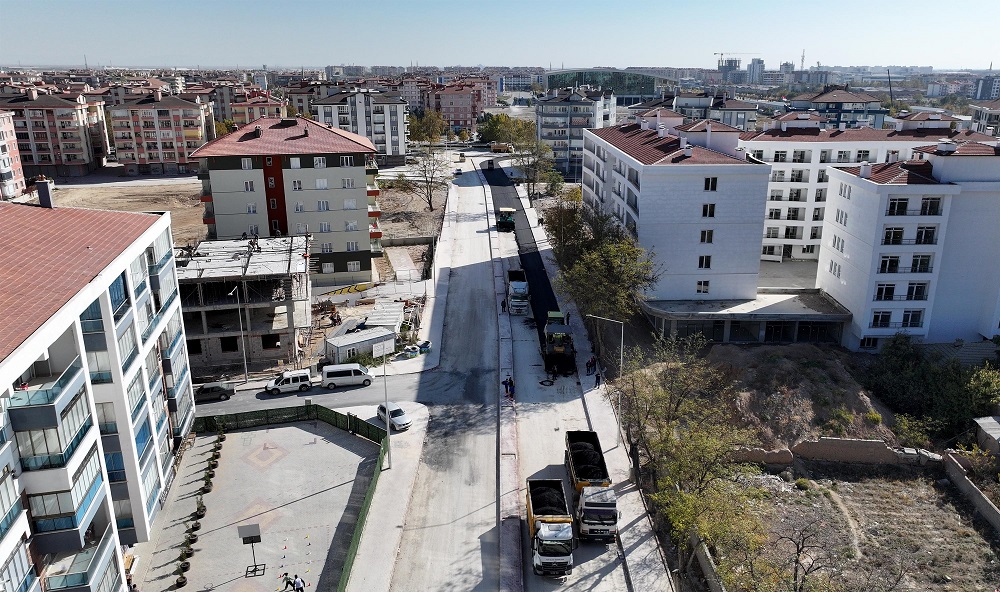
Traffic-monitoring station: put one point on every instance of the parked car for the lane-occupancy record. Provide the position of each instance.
(458, 172)
(212, 391)
(291, 380)
(336, 375)
(398, 419)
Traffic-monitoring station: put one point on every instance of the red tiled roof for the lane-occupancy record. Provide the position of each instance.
(838, 96)
(963, 149)
(925, 116)
(648, 147)
(662, 111)
(702, 125)
(285, 136)
(737, 105)
(910, 172)
(48, 255)
(794, 116)
(862, 134)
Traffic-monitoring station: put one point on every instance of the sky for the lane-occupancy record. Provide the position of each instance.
(560, 33)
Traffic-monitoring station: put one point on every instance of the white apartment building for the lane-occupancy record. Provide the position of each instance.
(986, 117)
(801, 151)
(911, 246)
(374, 114)
(293, 176)
(94, 389)
(693, 202)
(561, 117)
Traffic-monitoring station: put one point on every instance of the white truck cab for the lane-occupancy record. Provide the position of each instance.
(597, 513)
(552, 548)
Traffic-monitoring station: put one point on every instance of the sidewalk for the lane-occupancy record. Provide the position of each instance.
(645, 563)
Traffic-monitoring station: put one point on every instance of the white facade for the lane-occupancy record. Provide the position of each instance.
(906, 248)
(560, 119)
(696, 209)
(96, 398)
(370, 113)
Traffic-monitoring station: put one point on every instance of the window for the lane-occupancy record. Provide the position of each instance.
(926, 235)
(270, 182)
(711, 183)
(921, 264)
(838, 243)
(834, 268)
(327, 247)
(351, 225)
(348, 183)
(863, 155)
(869, 343)
(327, 268)
(274, 204)
(301, 228)
(321, 184)
(776, 195)
(229, 344)
(323, 205)
(930, 206)
(774, 214)
(780, 156)
(346, 161)
(913, 318)
(885, 291)
(892, 236)
(295, 163)
(916, 291)
(324, 227)
(772, 232)
(808, 249)
(299, 206)
(897, 207)
(270, 342)
(888, 264)
(352, 245)
(350, 204)
(319, 162)
(706, 236)
(708, 210)
(247, 164)
(704, 262)
(354, 266)
(253, 230)
(767, 250)
(251, 208)
(248, 186)
(843, 156)
(276, 227)
(268, 161)
(702, 287)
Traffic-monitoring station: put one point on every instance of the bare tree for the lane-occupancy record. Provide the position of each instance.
(429, 175)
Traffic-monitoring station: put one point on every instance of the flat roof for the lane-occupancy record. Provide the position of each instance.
(781, 305)
(47, 255)
(359, 336)
(285, 255)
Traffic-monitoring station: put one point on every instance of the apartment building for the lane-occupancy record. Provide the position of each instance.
(986, 117)
(226, 94)
(839, 104)
(155, 134)
(696, 207)
(293, 176)
(247, 297)
(375, 114)
(561, 117)
(695, 106)
(801, 150)
(256, 107)
(11, 174)
(901, 248)
(458, 105)
(94, 389)
(57, 135)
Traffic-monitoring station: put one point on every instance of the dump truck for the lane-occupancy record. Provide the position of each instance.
(505, 219)
(559, 353)
(595, 505)
(550, 528)
(517, 291)
(504, 147)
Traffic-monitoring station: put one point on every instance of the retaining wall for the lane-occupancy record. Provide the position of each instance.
(983, 505)
(844, 450)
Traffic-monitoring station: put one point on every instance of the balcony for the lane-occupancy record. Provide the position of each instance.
(10, 518)
(371, 167)
(43, 390)
(374, 230)
(910, 241)
(918, 269)
(374, 210)
(83, 568)
(902, 325)
(57, 461)
(376, 247)
(159, 316)
(179, 383)
(921, 212)
(373, 189)
(907, 297)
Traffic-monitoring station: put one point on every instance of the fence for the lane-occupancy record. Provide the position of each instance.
(349, 422)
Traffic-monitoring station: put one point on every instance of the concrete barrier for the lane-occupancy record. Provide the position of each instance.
(708, 568)
(958, 475)
(843, 450)
(781, 457)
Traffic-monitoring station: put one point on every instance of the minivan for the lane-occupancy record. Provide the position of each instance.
(291, 380)
(344, 375)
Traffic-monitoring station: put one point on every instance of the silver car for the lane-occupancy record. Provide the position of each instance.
(398, 419)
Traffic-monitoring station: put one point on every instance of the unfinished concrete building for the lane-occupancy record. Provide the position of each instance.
(245, 296)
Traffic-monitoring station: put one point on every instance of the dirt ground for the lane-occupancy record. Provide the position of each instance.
(407, 215)
(881, 516)
(181, 200)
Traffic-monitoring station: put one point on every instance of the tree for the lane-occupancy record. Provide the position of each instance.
(224, 127)
(554, 183)
(429, 174)
(534, 158)
(292, 111)
(463, 135)
(427, 127)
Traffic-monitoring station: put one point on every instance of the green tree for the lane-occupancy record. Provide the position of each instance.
(428, 127)
(609, 279)
(463, 135)
(292, 111)
(224, 127)
(554, 183)
(534, 158)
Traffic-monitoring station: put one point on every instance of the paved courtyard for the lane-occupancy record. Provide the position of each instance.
(302, 482)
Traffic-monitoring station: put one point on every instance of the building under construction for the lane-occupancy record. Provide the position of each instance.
(249, 295)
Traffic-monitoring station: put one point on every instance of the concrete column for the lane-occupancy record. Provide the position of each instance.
(725, 331)
(762, 332)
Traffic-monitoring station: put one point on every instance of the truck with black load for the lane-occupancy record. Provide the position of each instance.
(595, 505)
(559, 352)
(550, 528)
(517, 291)
(505, 219)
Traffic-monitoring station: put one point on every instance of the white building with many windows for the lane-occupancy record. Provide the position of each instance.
(561, 117)
(94, 388)
(904, 245)
(801, 151)
(372, 113)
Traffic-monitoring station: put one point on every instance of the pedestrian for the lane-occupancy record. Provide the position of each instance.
(597, 379)
(567, 318)
(510, 395)
(298, 583)
(288, 581)
(506, 385)
(503, 304)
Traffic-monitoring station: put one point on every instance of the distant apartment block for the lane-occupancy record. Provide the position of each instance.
(802, 150)
(374, 114)
(156, 134)
(265, 281)
(11, 174)
(256, 107)
(57, 136)
(902, 245)
(695, 106)
(95, 390)
(560, 119)
(840, 105)
(280, 177)
(986, 117)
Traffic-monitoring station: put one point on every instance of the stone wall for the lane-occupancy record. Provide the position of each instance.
(959, 476)
(844, 450)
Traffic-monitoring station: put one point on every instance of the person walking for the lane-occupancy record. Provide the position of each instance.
(299, 584)
(506, 385)
(510, 394)
(503, 305)
(597, 379)
(288, 581)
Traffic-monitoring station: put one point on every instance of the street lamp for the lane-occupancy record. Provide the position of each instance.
(243, 337)
(621, 362)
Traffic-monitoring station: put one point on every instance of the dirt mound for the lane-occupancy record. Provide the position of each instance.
(791, 393)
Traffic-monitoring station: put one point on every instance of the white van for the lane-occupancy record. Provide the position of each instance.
(292, 380)
(344, 375)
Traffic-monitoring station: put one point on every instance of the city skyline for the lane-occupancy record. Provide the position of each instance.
(251, 34)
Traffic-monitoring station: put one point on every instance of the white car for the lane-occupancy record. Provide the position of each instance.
(398, 419)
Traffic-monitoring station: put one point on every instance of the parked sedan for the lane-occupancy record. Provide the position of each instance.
(212, 391)
(398, 419)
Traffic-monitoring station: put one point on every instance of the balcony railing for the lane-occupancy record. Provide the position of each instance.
(897, 325)
(83, 564)
(46, 392)
(10, 518)
(55, 461)
(159, 315)
(910, 241)
(173, 391)
(101, 377)
(919, 269)
(885, 298)
(920, 212)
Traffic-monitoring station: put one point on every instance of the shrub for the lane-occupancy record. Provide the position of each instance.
(364, 359)
(802, 483)
(873, 417)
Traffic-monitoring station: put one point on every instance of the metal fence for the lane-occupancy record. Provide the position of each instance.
(348, 422)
